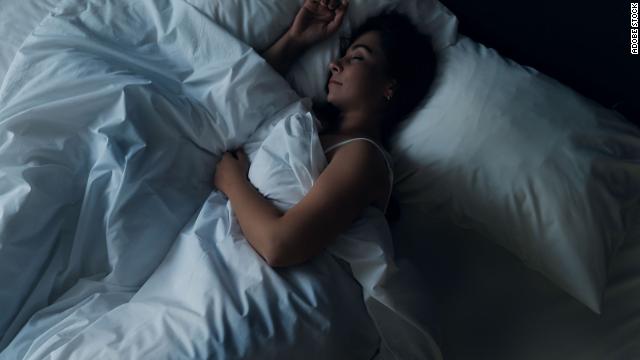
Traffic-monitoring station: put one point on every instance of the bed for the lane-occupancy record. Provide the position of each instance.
(518, 238)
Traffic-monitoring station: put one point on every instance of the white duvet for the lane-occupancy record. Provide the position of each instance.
(113, 243)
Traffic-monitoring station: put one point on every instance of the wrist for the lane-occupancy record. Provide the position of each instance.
(295, 43)
(237, 186)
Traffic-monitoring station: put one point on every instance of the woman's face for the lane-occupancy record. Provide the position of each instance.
(359, 79)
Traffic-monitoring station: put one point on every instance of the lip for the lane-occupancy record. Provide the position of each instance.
(334, 82)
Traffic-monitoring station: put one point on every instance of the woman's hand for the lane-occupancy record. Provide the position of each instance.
(317, 20)
(231, 170)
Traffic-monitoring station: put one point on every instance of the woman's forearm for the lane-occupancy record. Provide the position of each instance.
(257, 217)
(283, 53)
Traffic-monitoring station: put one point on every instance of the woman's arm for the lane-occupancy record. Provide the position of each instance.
(283, 53)
(315, 21)
(337, 198)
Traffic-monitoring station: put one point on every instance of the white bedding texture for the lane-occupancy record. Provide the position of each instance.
(519, 235)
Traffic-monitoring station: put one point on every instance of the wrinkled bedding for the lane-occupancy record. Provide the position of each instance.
(113, 242)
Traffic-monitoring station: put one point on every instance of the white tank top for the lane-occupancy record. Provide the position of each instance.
(385, 154)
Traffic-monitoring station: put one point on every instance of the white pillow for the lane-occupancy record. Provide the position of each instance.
(261, 22)
(507, 151)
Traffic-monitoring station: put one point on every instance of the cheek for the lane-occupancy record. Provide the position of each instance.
(358, 79)
(366, 85)
(359, 84)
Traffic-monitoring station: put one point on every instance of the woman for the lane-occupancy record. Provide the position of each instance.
(377, 82)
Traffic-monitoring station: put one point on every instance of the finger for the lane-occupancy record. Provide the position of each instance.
(342, 8)
(316, 5)
(240, 153)
(244, 157)
(222, 160)
(326, 5)
(229, 155)
(318, 10)
(337, 20)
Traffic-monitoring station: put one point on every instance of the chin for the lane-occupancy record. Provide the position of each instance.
(332, 100)
(329, 100)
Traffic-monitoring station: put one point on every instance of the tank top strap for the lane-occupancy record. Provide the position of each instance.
(385, 154)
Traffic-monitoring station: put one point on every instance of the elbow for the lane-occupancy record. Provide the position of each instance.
(276, 262)
(280, 254)
(285, 259)
(269, 248)
(283, 262)
(277, 258)
(283, 248)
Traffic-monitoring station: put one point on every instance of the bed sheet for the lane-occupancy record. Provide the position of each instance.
(491, 306)
(113, 116)
(17, 19)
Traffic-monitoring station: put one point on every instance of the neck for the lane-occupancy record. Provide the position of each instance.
(361, 125)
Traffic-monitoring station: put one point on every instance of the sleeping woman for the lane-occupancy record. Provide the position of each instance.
(379, 79)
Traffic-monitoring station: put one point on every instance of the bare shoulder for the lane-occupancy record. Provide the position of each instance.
(361, 155)
(362, 162)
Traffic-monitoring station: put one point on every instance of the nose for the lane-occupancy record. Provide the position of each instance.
(335, 66)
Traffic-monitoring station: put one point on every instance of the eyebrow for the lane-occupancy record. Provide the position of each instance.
(362, 46)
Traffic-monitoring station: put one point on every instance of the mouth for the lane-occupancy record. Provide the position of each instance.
(334, 82)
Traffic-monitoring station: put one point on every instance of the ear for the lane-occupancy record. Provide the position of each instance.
(390, 88)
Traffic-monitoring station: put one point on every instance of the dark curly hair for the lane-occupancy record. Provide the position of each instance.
(411, 61)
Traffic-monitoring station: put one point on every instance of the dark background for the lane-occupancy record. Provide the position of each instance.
(583, 44)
